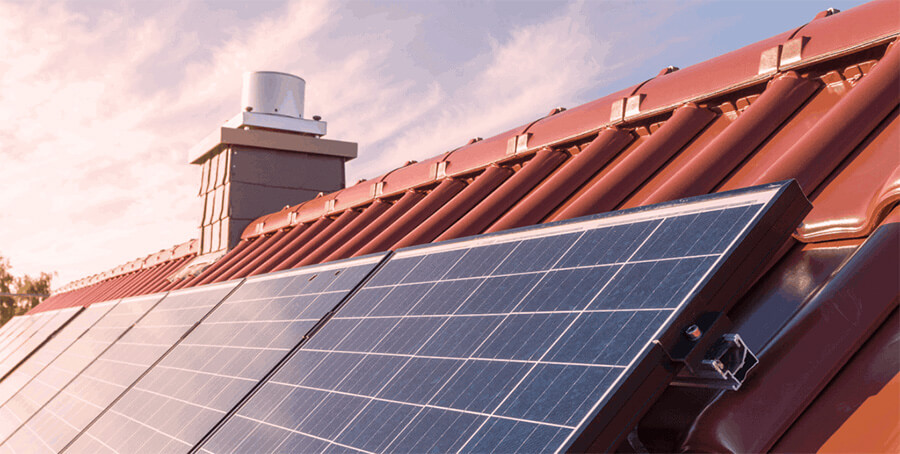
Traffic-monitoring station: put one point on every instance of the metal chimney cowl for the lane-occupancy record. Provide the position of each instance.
(266, 157)
(273, 93)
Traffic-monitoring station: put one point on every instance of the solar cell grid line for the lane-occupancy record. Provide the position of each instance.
(198, 382)
(52, 349)
(59, 319)
(106, 378)
(47, 383)
(506, 342)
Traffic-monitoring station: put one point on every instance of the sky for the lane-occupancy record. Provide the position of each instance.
(100, 101)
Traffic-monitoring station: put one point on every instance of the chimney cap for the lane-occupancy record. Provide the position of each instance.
(273, 93)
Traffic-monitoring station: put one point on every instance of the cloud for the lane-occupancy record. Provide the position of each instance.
(522, 76)
(101, 103)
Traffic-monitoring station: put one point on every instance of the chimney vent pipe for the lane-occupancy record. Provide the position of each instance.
(274, 93)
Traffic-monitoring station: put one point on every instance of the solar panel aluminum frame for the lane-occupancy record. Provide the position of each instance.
(653, 369)
(380, 257)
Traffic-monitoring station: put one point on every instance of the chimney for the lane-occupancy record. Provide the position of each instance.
(266, 157)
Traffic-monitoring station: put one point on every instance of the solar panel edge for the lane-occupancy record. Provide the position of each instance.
(236, 283)
(160, 296)
(753, 192)
(750, 253)
(382, 258)
(34, 350)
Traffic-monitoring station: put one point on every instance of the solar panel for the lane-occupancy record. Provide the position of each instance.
(197, 383)
(511, 342)
(7, 325)
(10, 327)
(105, 379)
(27, 401)
(53, 348)
(34, 323)
(53, 321)
(19, 333)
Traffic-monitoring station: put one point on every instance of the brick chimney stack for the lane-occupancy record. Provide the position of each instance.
(266, 157)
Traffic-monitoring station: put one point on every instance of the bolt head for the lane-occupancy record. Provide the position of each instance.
(693, 332)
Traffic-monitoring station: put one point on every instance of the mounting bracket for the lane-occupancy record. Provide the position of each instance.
(710, 356)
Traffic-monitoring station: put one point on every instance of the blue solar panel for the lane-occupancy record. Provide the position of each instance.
(510, 342)
(28, 400)
(190, 390)
(107, 377)
(52, 349)
(53, 321)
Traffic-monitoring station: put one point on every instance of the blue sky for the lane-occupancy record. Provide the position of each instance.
(101, 100)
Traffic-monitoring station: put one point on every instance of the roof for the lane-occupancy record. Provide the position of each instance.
(818, 104)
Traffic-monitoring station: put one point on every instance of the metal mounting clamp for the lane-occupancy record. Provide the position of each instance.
(710, 356)
(724, 366)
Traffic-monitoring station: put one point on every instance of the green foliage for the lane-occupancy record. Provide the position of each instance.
(12, 306)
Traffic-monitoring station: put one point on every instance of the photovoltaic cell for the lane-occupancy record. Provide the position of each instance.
(197, 383)
(27, 401)
(54, 320)
(509, 342)
(107, 377)
(52, 349)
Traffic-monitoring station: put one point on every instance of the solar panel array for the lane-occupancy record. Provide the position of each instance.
(107, 377)
(32, 397)
(52, 349)
(206, 375)
(505, 342)
(52, 322)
